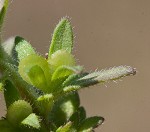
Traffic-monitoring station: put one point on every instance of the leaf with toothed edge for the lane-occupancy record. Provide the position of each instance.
(32, 121)
(62, 37)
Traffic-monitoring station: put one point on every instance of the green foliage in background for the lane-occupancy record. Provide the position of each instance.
(41, 92)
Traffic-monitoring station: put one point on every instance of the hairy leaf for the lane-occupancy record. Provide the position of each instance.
(32, 121)
(46, 103)
(60, 58)
(85, 80)
(23, 48)
(62, 37)
(18, 111)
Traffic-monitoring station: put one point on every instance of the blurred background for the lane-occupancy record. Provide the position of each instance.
(107, 33)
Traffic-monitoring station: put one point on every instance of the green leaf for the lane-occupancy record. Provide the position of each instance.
(23, 48)
(85, 80)
(62, 37)
(60, 58)
(32, 60)
(72, 79)
(90, 123)
(60, 75)
(37, 77)
(56, 85)
(78, 117)
(18, 111)
(71, 88)
(46, 103)
(3, 12)
(32, 121)
(10, 93)
(65, 128)
(82, 114)
(64, 107)
(64, 71)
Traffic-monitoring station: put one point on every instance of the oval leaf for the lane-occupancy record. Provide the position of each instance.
(62, 37)
(37, 77)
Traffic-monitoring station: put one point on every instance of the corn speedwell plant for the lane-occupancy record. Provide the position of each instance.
(41, 92)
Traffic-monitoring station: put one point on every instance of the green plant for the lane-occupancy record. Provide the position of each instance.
(41, 93)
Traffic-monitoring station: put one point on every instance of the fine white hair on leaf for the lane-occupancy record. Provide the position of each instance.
(109, 74)
(115, 73)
